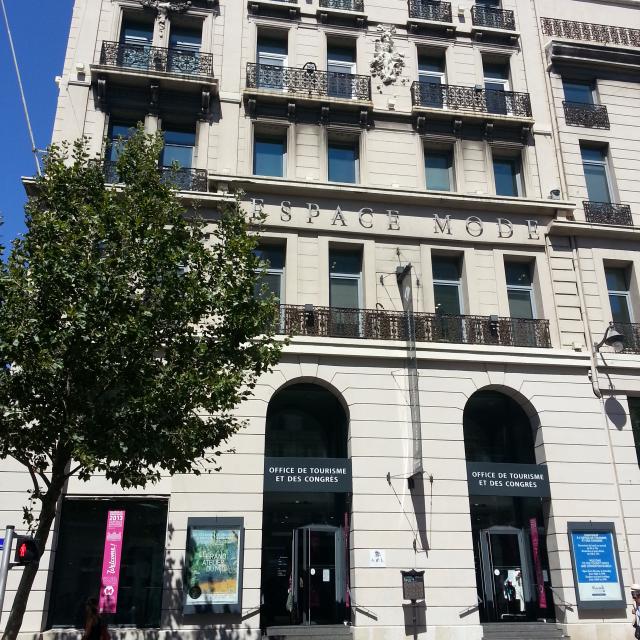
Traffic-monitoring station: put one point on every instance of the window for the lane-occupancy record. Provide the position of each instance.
(447, 289)
(119, 133)
(269, 154)
(488, 3)
(580, 92)
(343, 161)
(135, 38)
(507, 176)
(272, 58)
(520, 289)
(596, 174)
(431, 75)
(496, 82)
(341, 67)
(184, 49)
(619, 296)
(80, 551)
(438, 165)
(345, 276)
(178, 147)
(272, 256)
(634, 414)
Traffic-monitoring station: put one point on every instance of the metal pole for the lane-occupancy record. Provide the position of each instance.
(6, 561)
(414, 607)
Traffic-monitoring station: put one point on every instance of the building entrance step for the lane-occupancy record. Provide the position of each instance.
(310, 632)
(523, 631)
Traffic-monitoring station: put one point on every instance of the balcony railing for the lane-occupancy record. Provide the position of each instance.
(444, 96)
(343, 5)
(631, 333)
(434, 11)
(492, 17)
(308, 82)
(182, 179)
(601, 33)
(581, 114)
(376, 324)
(146, 58)
(607, 213)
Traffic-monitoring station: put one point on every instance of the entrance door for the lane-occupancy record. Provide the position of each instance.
(506, 574)
(318, 576)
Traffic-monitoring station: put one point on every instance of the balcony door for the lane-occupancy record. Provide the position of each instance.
(272, 60)
(184, 50)
(135, 44)
(447, 294)
(431, 74)
(345, 292)
(341, 68)
(178, 147)
(496, 83)
(596, 174)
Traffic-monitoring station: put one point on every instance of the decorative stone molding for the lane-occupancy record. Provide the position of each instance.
(163, 9)
(387, 63)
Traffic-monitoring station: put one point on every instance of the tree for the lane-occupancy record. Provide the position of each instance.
(129, 331)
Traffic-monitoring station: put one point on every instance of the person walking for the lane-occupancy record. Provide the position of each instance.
(95, 627)
(635, 609)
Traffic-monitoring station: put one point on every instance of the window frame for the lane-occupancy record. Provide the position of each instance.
(449, 151)
(604, 151)
(492, 79)
(342, 275)
(625, 294)
(589, 84)
(333, 141)
(178, 129)
(449, 283)
(516, 159)
(270, 271)
(273, 136)
(528, 288)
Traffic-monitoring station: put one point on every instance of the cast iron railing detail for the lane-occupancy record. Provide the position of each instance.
(446, 96)
(607, 213)
(631, 333)
(582, 114)
(182, 178)
(376, 324)
(146, 58)
(602, 33)
(429, 10)
(482, 16)
(343, 5)
(308, 82)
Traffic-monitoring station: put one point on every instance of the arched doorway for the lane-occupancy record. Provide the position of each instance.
(506, 493)
(307, 492)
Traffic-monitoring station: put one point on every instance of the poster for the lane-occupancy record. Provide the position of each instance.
(594, 554)
(110, 577)
(213, 563)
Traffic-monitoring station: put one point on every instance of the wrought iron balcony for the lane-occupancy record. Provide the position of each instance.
(430, 95)
(156, 59)
(308, 82)
(182, 178)
(429, 10)
(582, 114)
(631, 333)
(607, 213)
(492, 17)
(589, 31)
(376, 324)
(343, 5)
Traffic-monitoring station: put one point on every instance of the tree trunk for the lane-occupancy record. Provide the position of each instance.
(49, 502)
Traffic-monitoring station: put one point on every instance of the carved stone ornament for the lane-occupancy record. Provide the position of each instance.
(163, 8)
(387, 63)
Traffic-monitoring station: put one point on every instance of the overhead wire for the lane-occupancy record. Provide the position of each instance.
(34, 148)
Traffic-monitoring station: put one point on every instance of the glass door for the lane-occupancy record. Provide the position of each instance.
(508, 588)
(318, 582)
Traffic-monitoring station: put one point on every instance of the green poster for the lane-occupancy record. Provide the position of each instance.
(213, 562)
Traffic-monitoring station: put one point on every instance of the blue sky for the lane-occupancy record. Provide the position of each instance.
(40, 29)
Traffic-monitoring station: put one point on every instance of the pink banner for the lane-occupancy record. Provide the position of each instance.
(111, 562)
(537, 564)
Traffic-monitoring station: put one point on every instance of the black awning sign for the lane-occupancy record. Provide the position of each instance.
(494, 479)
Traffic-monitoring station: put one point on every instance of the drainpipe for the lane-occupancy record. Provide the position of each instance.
(595, 384)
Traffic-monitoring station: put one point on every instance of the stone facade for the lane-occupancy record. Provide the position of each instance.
(578, 402)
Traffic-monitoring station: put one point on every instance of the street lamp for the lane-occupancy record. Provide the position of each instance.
(612, 338)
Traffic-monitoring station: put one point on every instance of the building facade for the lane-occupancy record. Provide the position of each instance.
(452, 209)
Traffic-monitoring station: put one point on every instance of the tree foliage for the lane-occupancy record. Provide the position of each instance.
(129, 329)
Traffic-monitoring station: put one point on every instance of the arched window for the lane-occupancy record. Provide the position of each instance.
(496, 429)
(306, 421)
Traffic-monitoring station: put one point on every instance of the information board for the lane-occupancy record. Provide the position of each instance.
(596, 565)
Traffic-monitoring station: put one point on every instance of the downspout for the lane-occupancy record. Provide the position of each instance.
(593, 376)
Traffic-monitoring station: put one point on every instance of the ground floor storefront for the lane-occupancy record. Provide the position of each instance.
(318, 525)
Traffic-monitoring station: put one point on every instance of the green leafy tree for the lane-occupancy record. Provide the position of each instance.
(129, 331)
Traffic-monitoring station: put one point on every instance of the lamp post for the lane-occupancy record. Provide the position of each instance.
(612, 338)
